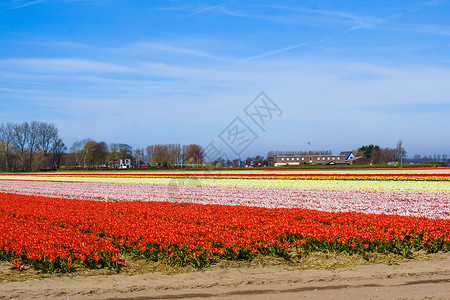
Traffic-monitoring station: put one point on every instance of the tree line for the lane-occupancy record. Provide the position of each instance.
(418, 159)
(88, 153)
(169, 155)
(30, 146)
(379, 155)
(36, 145)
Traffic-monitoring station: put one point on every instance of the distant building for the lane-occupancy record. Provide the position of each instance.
(253, 163)
(125, 163)
(286, 160)
(348, 155)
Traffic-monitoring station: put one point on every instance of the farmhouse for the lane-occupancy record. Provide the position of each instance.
(256, 162)
(341, 159)
(125, 163)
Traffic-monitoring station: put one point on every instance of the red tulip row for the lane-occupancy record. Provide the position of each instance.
(52, 234)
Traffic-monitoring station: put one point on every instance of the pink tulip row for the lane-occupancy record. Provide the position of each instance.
(427, 204)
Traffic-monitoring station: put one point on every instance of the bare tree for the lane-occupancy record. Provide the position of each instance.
(125, 151)
(177, 154)
(96, 153)
(383, 155)
(149, 151)
(194, 154)
(56, 151)
(26, 141)
(113, 155)
(33, 141)
(183, 154)
(7, 135)
(80, 149)
(164, 155)
(138, 157)
(48, 135)
(400, 151)
(21, 135)
(76, 149)
(88, 152)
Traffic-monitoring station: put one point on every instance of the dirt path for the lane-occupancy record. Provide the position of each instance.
(419, 279)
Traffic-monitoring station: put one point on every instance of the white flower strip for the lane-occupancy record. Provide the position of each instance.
(427, 204)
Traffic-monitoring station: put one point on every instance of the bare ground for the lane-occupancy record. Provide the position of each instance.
(317, 276)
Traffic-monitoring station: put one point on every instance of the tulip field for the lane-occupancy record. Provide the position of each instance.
(55, 222)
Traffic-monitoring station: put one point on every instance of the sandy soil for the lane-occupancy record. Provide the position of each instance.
(319, 276)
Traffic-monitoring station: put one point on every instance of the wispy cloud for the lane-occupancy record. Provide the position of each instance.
(7, 90)
(383, 22)
(423, 29)
(145, 47)
(16, 4)
(208, 8)
(331, 16)
(322, 87)
(273, 52)
(291, 47)
(298, 15)
(138, 49)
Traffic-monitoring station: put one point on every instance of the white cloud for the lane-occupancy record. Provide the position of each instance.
(207, 8)
(322, 99)
(146, 47)
(297, 15)
(16, 4)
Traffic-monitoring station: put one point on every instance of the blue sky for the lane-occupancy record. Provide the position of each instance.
(345, 73)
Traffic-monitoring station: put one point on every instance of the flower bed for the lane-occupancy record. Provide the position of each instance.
(428, 204)
(52, 234)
